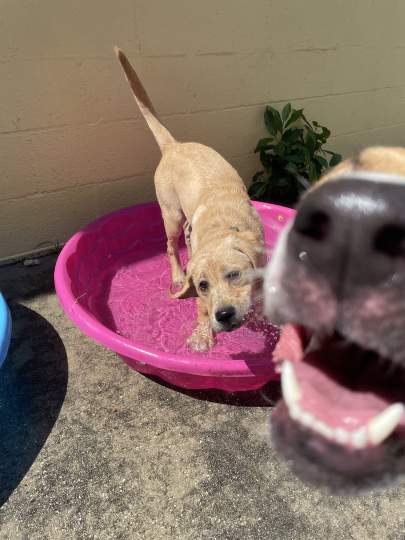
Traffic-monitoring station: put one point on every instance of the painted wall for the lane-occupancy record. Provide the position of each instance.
(73, 145)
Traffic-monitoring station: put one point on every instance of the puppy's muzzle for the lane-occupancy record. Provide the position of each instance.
(351, 232)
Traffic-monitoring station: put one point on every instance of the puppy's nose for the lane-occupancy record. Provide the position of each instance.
(225, 314)
(351, 231)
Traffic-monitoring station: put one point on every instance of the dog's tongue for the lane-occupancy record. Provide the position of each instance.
(331, 389)
(291, 344)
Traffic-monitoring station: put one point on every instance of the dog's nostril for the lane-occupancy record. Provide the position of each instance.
(315, 224)
(225, 314)
(390, 240)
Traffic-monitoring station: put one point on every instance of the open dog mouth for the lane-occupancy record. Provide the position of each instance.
(349, 395)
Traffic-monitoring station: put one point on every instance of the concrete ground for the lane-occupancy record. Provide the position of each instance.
(90, 449)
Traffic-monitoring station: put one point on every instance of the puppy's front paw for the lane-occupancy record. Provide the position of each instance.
(175, 287)
(178, 278)
(201, 339)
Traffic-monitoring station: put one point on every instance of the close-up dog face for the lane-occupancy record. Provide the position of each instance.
(221, 276)
(336, 283)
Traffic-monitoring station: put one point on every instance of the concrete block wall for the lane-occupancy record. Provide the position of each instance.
(73, 145)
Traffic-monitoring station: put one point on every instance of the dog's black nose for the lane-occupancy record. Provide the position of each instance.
(351, 231)
(225, 314)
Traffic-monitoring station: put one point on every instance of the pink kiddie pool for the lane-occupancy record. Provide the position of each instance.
(112, 279)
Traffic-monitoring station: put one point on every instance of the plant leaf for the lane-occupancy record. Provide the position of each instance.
(279, 149)
(273, 120)
(325, 132)
(307, 155)
(296, 114)
(256, 176)
(297, 157)
(310, 141)
(283, 181)
(312, 173)
(322, 161)
(293, 135)
(291, 168)
(292, 157)
(263, 144)
(318, 167)
(266, 159)
(286, 111)
(335, 160)
(269, 122)
(257, 189)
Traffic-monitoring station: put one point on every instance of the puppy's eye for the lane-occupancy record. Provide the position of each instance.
(233, 275)
(203, 285)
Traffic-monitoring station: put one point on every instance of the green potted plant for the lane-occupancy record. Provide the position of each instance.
(293, 156)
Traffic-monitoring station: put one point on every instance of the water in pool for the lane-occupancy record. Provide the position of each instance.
(132, 299)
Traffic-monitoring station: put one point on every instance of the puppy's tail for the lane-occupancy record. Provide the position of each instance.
(161, 134)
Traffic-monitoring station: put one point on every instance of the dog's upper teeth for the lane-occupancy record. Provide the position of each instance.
(289, 384)
(382, 425)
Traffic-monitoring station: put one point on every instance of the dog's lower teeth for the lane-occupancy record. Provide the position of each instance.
(323, 429)
(382, 425)
(377, 430)
(358, 438)
(289, 384)
(306, 419)
(341, 436)
(295, 412)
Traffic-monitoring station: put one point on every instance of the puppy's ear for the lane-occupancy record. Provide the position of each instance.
(187, 291)
(248, 244)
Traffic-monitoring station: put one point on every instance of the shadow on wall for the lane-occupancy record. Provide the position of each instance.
(33, 385)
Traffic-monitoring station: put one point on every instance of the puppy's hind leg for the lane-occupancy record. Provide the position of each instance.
(173, 220)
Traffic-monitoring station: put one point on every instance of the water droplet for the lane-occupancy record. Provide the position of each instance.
(303, 256)
(396, 278)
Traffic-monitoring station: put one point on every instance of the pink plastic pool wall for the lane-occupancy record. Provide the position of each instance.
(112, 279)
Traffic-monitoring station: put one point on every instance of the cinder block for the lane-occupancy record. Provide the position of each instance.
(239, 26)
(352, 143)
(49, 93)
(357, 111)
(50, 29)
(27, 222)
(59, 158)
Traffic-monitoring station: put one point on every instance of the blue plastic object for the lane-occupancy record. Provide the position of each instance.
(5, 329)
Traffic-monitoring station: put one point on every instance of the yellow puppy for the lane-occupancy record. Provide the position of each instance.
(200, 192)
